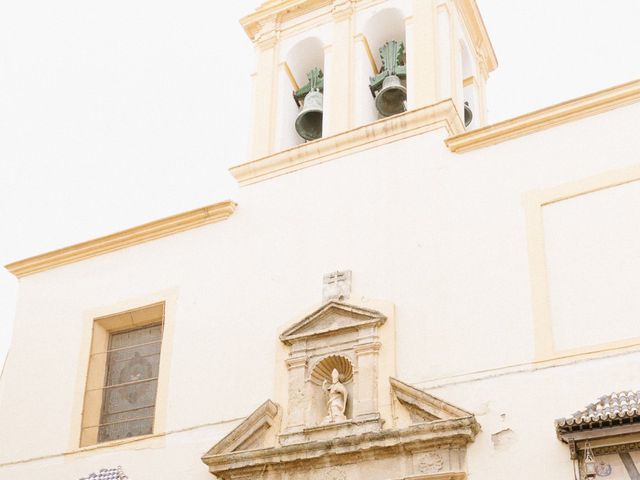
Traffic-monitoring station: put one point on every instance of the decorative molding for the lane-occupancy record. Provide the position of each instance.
(323, 367)
(613, 431)
(331, 318)
(296, 362)
(623, 438)
(262, 418)
(288, 9)
(564, 112)
(612, 449)
(126, 238)
(414, 122)
(456, 432)
(342, 9)
(438, 476)
(278, 9)
(426, 402)
(534, 202)
(478, 32)
(367, 348)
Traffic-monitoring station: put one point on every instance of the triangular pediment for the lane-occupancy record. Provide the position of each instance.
(424, 407)
(250, 434)
(330, 318)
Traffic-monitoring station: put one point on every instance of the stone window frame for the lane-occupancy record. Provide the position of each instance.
(102, 329)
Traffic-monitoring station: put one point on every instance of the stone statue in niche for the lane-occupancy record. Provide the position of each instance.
(336, 395)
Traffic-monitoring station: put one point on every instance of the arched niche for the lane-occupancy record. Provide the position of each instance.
(323, 368)
(320, 372)
(298, 60)
(377, 28)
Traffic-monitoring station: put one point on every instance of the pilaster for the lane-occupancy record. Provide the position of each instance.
(366, 402)
(422, 49)
(297, 366)
(338, 111)
(265, 85)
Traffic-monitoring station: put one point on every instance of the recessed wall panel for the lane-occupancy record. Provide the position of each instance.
(592, 247)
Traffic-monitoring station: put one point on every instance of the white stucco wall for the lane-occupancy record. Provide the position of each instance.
(593, 253)
(442, 236)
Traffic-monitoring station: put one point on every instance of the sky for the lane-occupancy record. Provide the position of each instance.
(113, 114)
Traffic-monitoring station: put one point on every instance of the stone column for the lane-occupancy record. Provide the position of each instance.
(264, 90)
(338, 87)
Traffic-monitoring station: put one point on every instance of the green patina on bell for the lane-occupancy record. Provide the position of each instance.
(309, 121)
(386, 87)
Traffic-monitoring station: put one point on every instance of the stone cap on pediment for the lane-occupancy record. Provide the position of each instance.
(332, 317)
(245, 434)
(431, 407)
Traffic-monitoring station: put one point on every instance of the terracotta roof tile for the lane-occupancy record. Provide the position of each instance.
(107, 474)
(614, 409)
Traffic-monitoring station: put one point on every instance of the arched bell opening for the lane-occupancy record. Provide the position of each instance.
(380, 70)
(468, 109)
(320, 373)
(301, 86)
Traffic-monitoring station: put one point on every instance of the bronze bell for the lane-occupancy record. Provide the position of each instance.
(309, 120)
(392, 98)
(468, 114)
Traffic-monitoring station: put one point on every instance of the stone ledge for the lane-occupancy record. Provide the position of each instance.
(437, 476)
(125, 238)
(414, 122)
(425, 435)
(548, 117)
(332, 430)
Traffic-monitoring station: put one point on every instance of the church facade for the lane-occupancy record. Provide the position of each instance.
(400, 291)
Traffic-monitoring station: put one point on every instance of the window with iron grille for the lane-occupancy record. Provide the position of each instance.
(129, 394)
(122, 376)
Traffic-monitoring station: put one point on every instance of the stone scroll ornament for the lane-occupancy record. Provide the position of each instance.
(337, 396)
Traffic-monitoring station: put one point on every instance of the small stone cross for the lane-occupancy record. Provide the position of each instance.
(336, 286)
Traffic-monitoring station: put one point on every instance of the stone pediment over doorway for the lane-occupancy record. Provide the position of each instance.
(331, 318)
(341, 413)
(416, 450)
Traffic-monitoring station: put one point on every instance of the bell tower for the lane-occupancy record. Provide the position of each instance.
(324, 67)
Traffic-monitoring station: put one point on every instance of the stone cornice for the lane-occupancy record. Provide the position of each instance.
(459, 431)
(478, 32)
(414, 122)
(277, 10)
(358, 317)
(281, 10)
(560, 113)
(126, 238)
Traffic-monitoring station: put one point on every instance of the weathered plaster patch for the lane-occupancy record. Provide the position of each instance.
(503, 439)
